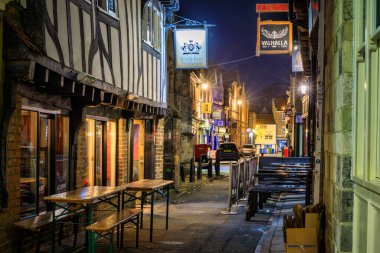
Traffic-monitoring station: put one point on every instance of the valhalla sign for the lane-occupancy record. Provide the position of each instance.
(274, 37)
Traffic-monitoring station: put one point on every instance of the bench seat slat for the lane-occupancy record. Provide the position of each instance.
(35, 223)
(114, 220)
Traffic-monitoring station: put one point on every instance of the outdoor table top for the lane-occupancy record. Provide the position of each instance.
(146, 185)
(84, 195)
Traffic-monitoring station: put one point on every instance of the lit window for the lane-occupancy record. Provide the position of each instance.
(44, 159)
(377, 14)
(101, 152)
(109, 6)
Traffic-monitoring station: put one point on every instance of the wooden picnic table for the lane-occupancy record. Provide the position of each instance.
(86, 197)
(148, 187)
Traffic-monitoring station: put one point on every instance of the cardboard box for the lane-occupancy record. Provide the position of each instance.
(301, 240)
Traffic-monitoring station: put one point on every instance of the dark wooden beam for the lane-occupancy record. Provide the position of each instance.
(107, 98)
(80, 90)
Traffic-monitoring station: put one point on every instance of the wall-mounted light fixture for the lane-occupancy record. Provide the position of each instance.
(239, 102)
(86, 78)
(303, 89)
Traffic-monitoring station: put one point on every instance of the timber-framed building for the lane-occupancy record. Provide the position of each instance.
(83, 98)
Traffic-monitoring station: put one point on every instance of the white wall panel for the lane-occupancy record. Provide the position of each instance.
(62, 30)
(145, 73)
(107, 68)
(76, 39)
(87, 36)
(116, 56)
(154, 73)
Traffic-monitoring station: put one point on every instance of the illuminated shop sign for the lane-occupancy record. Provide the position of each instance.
(297, 61)
(191, 48)
(279, 7)
(217, 114)
(206, 107)
(274, 37)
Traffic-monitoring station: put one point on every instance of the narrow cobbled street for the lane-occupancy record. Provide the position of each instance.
(197, 225)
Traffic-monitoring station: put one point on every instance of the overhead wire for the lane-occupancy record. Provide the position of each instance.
(234, 61)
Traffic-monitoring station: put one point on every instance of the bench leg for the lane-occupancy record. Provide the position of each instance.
(38, 241)
(122, 235)
(20, 241)
(111, 242)
(255, 202)
(261, 200)
(137, 230)
(60, 233)
(75, 221)
(118, 236)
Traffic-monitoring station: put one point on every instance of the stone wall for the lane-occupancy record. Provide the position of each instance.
(81, 167)
(338, 188)
(159, 149)
(177, 127)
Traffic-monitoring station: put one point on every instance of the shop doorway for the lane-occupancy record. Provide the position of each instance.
(138, 150)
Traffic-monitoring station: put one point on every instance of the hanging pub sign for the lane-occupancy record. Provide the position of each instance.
(297, 60)
(191, 48)
(274, 37)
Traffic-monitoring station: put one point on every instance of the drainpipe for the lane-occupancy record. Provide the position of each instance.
(291, 16)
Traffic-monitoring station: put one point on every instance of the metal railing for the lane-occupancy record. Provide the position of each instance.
(241, 177)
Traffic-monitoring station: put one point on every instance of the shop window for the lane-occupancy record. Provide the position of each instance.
(377, 14)
(152, 25)
(109, 6)
(367, 93)
(44, 159)
(101, 152)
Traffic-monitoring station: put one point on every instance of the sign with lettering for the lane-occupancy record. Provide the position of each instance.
(190, 48)
(206, 107)
(274, 37)
(279, 7)
(217, 114)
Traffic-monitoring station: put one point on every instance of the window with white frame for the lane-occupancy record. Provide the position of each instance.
(110, 6)
(367, 114)
(152, 25)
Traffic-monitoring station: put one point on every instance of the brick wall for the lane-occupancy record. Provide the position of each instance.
(10, 214)
(338, 188)
(159, 149)
(123, 154)
(81, 172)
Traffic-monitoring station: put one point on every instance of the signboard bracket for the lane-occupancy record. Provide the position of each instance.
(179, 21)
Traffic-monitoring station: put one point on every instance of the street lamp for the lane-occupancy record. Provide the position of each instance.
(204, 86)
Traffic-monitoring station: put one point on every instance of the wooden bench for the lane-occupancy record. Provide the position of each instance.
(275, 179)
(105, 228)
(36, 224)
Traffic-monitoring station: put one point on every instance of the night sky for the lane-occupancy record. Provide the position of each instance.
(234, 38)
